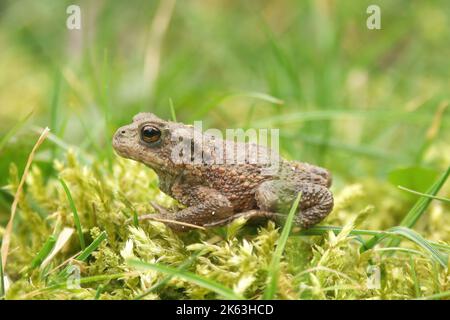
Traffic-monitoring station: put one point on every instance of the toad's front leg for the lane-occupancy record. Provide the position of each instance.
(206, 205)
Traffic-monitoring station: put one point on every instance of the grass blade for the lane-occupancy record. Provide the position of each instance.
(98, 292)
(422, 204)
(44, 252)
(420, 241)
(63, 284)
(414, 277)
(161, 283)
(424, 194)
(272, 277)
(321, 230)
(62, 239)
(84, 254)
(436, 296)
(430, 247)
(188, 276)
(92, 247)
(415, 213)
(76, 218)
(172, 111)
(260, 96)
(130, 207)
(413, 236)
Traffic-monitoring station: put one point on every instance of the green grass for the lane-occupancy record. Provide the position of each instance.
(322, 230)
(371, 106)
(84, 254)
(409, 234)
(172, 111)
(191, 277)
(424, 194)
(44, 252)
(92, 247)
(76, 218)
(416, 211)
(166, 280)
(422, 204)
(274, 269)
(86, 280)
(437, 296)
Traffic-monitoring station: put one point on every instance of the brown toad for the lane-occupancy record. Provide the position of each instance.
(204, 173)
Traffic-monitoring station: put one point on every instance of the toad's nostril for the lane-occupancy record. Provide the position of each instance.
(122, 132)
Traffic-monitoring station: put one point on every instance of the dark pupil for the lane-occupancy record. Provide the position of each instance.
(150, 134)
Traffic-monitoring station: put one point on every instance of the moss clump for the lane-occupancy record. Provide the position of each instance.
(329, 266)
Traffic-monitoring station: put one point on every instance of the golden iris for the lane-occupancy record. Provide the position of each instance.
(150, 134)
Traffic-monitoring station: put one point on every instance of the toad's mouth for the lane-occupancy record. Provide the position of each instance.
(119, 145)
(120, 150)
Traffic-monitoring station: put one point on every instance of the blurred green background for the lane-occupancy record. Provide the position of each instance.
(359, 102)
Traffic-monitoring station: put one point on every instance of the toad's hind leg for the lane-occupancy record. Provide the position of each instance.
(278, 196)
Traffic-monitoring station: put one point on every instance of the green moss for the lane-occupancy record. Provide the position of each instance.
(238, 256)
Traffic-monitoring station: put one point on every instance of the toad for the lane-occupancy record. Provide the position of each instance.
(216, 192)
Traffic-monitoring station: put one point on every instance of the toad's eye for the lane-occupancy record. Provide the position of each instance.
(150, 134)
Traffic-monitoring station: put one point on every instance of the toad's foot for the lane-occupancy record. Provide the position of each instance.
(253, 215)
